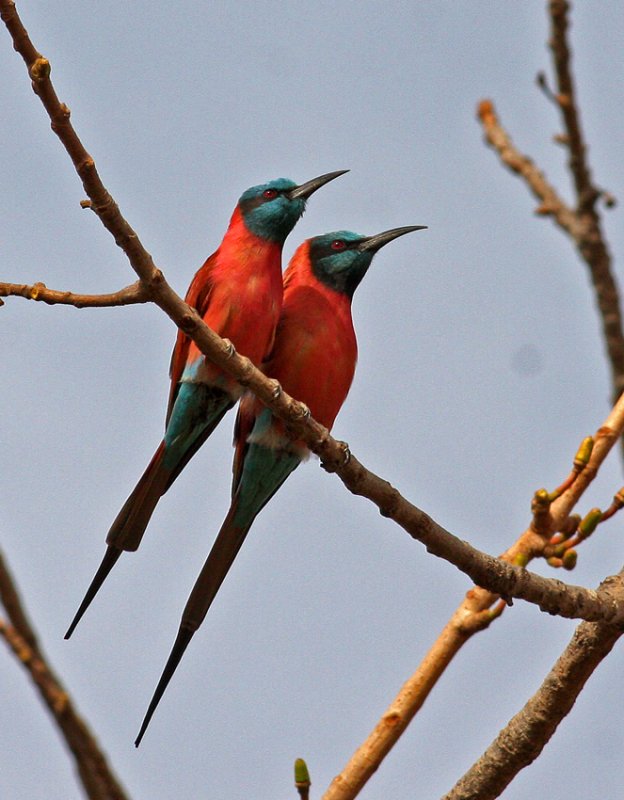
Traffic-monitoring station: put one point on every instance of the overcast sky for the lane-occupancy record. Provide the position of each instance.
(481, 368)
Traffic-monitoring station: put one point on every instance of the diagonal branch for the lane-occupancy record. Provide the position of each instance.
(475, 614)
(495, 574)
(550, 201)
(499, 577)
(96, 775)
(525, 736)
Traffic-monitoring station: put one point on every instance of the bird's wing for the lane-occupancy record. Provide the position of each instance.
(198, 297)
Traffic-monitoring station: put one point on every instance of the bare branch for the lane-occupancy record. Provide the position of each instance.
(566, 101)
(582, 223)
(135, 293)
(475, 614)
(497, 576)
(592, 243)
(583, 226)
(551, 204)
(96, 775)
(526, 735)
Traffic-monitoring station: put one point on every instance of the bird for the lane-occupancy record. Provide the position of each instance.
(313, 359)
(238, 293)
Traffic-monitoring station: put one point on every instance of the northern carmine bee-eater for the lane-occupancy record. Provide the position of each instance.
(238, 293)
(313, 358)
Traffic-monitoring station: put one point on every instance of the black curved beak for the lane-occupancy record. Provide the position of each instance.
(378, 241)
(309, 187)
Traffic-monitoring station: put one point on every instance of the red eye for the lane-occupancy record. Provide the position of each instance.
(338, 244)
(269, 194)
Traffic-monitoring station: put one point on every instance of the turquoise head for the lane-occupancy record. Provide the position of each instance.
(341, 259)
(272, 209)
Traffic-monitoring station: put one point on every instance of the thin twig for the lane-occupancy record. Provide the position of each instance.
(135, 293)
(550, 202)
(525, 736)
(96, 775)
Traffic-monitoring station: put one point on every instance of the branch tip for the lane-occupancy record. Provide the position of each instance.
(486, 112)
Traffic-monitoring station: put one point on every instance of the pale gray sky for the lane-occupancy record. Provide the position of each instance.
(481, 368)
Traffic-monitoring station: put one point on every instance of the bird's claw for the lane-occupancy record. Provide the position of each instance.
(230, 350)
(331, 465)
(303, 412)
(276, 389)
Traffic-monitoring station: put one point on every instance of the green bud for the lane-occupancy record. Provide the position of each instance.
(589, 523)
(302, 776)
(541, 501)
(584, 452)
(569, 559)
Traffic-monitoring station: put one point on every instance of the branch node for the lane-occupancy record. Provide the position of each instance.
(36, 289)
(391, 719)
(188, 323)
(157, 278)
(389, 508)
(86, 165)
(39, 70)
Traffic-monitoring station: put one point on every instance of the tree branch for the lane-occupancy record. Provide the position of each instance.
(499, 577)
(551, 204)
(583, 226)
(566, 101)
(96, 775)
(135, 293)
(582, 223)
(474, 614)
(592, 243)
(525, 736)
